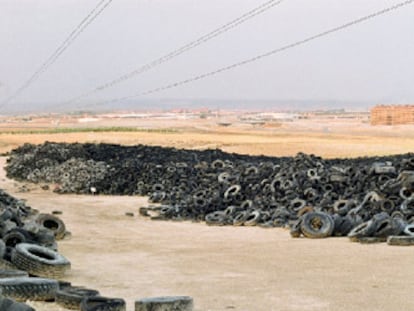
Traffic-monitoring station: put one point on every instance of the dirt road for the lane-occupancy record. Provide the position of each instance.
(223, 268)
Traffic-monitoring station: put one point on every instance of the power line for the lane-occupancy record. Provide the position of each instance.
(189, 46)
(267, 54)
(92, 15)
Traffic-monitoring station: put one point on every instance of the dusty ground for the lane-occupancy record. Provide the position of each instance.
(228, 268)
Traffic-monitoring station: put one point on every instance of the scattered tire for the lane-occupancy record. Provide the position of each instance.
(400, 240)
(97, 303)
(216, 218)
(181, 303)
(53, 223)
(6, 273)
(71, 297)
(2, 248)
(22, 289)
(316, 225)
(252, 218)
(240, 218)
(7, 265)
(7, 304)
(363, 230)
(370, 240)
(16, 236)
(40, 261)
(295, 229)
(409, 230)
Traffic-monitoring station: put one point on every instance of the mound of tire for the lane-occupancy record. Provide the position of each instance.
(368, 198)
(28, 240)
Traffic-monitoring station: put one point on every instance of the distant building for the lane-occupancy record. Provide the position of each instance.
(392, 114)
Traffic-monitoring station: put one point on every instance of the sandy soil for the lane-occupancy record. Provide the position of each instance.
(223, 268)
(227, 268)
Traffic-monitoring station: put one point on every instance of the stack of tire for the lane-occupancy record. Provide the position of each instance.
(232, 189)
(29, 262)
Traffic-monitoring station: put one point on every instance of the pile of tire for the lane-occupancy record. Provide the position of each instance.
(315, 197)
(28, 238)
(29, 262)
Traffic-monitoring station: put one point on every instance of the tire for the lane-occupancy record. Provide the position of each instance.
(384, 228)
(345, 226)
(6, 273)
(71, 297)
(317, 225)
(370, 240)
(252, 218)
(52, 223)
(22, 289)
(400, 240)
(40, 261)
(2, 248)
(409, 230)
(7, 265)
(232, 191)
(362, 230)
(296, 205)
(216, 218)
(7, 304)
(102, 304)
(182, 303)
(295, 230)
(240, 218)
(17, 236)
(305, 210)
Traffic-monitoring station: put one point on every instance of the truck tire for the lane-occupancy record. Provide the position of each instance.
(40, 261)
(24, 288)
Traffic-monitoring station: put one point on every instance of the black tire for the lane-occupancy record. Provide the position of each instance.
(2, 248)
(252, 218)
(8, 273)
(400, 240)
(295, 230)
(239, 218)
(409, 230)
(17, 236)
(40, 261)
(52, 223)
(370, 240)
(22, 289)
(7, 304)
(216, 218)
(71, 297)
(346, 225)
(98, 303)
(7, 265)
(383, 228)
(316, 225)
(182, 303)
(362, 230)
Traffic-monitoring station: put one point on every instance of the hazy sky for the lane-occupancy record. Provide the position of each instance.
(373, 61)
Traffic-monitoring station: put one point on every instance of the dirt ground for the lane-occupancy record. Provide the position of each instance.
(227, 268)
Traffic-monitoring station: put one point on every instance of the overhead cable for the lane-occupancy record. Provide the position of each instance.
(189, 46)
(92, 15)
(264, 55)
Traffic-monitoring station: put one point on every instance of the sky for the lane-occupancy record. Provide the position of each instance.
(371, 62)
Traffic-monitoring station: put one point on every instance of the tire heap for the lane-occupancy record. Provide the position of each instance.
(30, 266)
(28, 247)
(368, 199)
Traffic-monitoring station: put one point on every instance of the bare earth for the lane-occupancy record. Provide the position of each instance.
(225, 268)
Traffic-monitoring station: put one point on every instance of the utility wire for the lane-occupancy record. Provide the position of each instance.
(189, 46)
(96, 11)
(269, 53)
